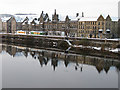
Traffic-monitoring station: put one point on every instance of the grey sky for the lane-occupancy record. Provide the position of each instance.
(64, 7)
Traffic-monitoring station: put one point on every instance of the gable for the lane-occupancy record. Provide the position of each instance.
(101, 18)
(108, 18)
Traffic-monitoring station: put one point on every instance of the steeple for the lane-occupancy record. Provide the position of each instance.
(55, 17)
(42, 14)
(67, 18)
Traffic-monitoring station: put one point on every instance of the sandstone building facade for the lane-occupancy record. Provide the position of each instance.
(80, 26)
(0, 25)
(93, 27)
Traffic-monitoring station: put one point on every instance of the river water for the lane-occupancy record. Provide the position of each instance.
(26, 67)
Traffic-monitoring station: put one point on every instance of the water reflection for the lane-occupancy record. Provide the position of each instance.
(45, 56)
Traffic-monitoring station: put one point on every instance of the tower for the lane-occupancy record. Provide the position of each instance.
(55, 17)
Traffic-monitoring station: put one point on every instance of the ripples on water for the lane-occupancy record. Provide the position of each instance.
(25, 67)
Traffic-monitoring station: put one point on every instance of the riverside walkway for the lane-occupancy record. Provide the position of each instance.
(58, 38)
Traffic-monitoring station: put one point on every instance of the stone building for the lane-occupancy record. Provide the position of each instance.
(11, 25)
(0, 25)
(71, 26)
(114, 30)
(58, 25)
(93, 27)
(43, 21)
(8, 25)
(4, 24)
(118, 28)
(87, 27)
(25, 24)
(77, 26)
(51, 26)
(29, 23)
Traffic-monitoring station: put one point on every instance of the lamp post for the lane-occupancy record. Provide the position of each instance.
(106, 35)
(100, 32)
(107, 32)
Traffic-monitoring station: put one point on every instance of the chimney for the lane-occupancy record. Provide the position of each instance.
(55, 12)
(42, 12)
(82, 14)
(77, 14)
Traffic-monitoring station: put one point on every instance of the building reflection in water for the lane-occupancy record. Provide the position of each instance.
(44, 56)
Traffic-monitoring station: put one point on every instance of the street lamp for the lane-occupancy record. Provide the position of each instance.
(100, 32)
(107, 32)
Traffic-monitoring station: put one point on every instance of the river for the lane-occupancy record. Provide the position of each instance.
(29, 67)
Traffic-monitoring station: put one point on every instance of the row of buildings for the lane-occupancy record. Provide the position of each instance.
(77, 26)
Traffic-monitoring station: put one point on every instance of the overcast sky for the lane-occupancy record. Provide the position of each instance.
(64, 7)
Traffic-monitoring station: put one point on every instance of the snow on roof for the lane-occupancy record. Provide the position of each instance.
(114, 18)
(20, 18)
(36, 21)
(62, 18)
(5, 19)
(104, 16)
(73, 18)
(43, 15)
(88, 19)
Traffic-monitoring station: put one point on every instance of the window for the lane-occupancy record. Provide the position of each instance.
(98, 23)
(102, 23)
(106, 24)
(98, 27)
(95, 27)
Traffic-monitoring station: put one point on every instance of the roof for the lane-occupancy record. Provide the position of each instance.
(61, 18)
(5, 19)
(36, 21)
(88, 19)
(73, 18)
(114, 18)
(20, 18)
